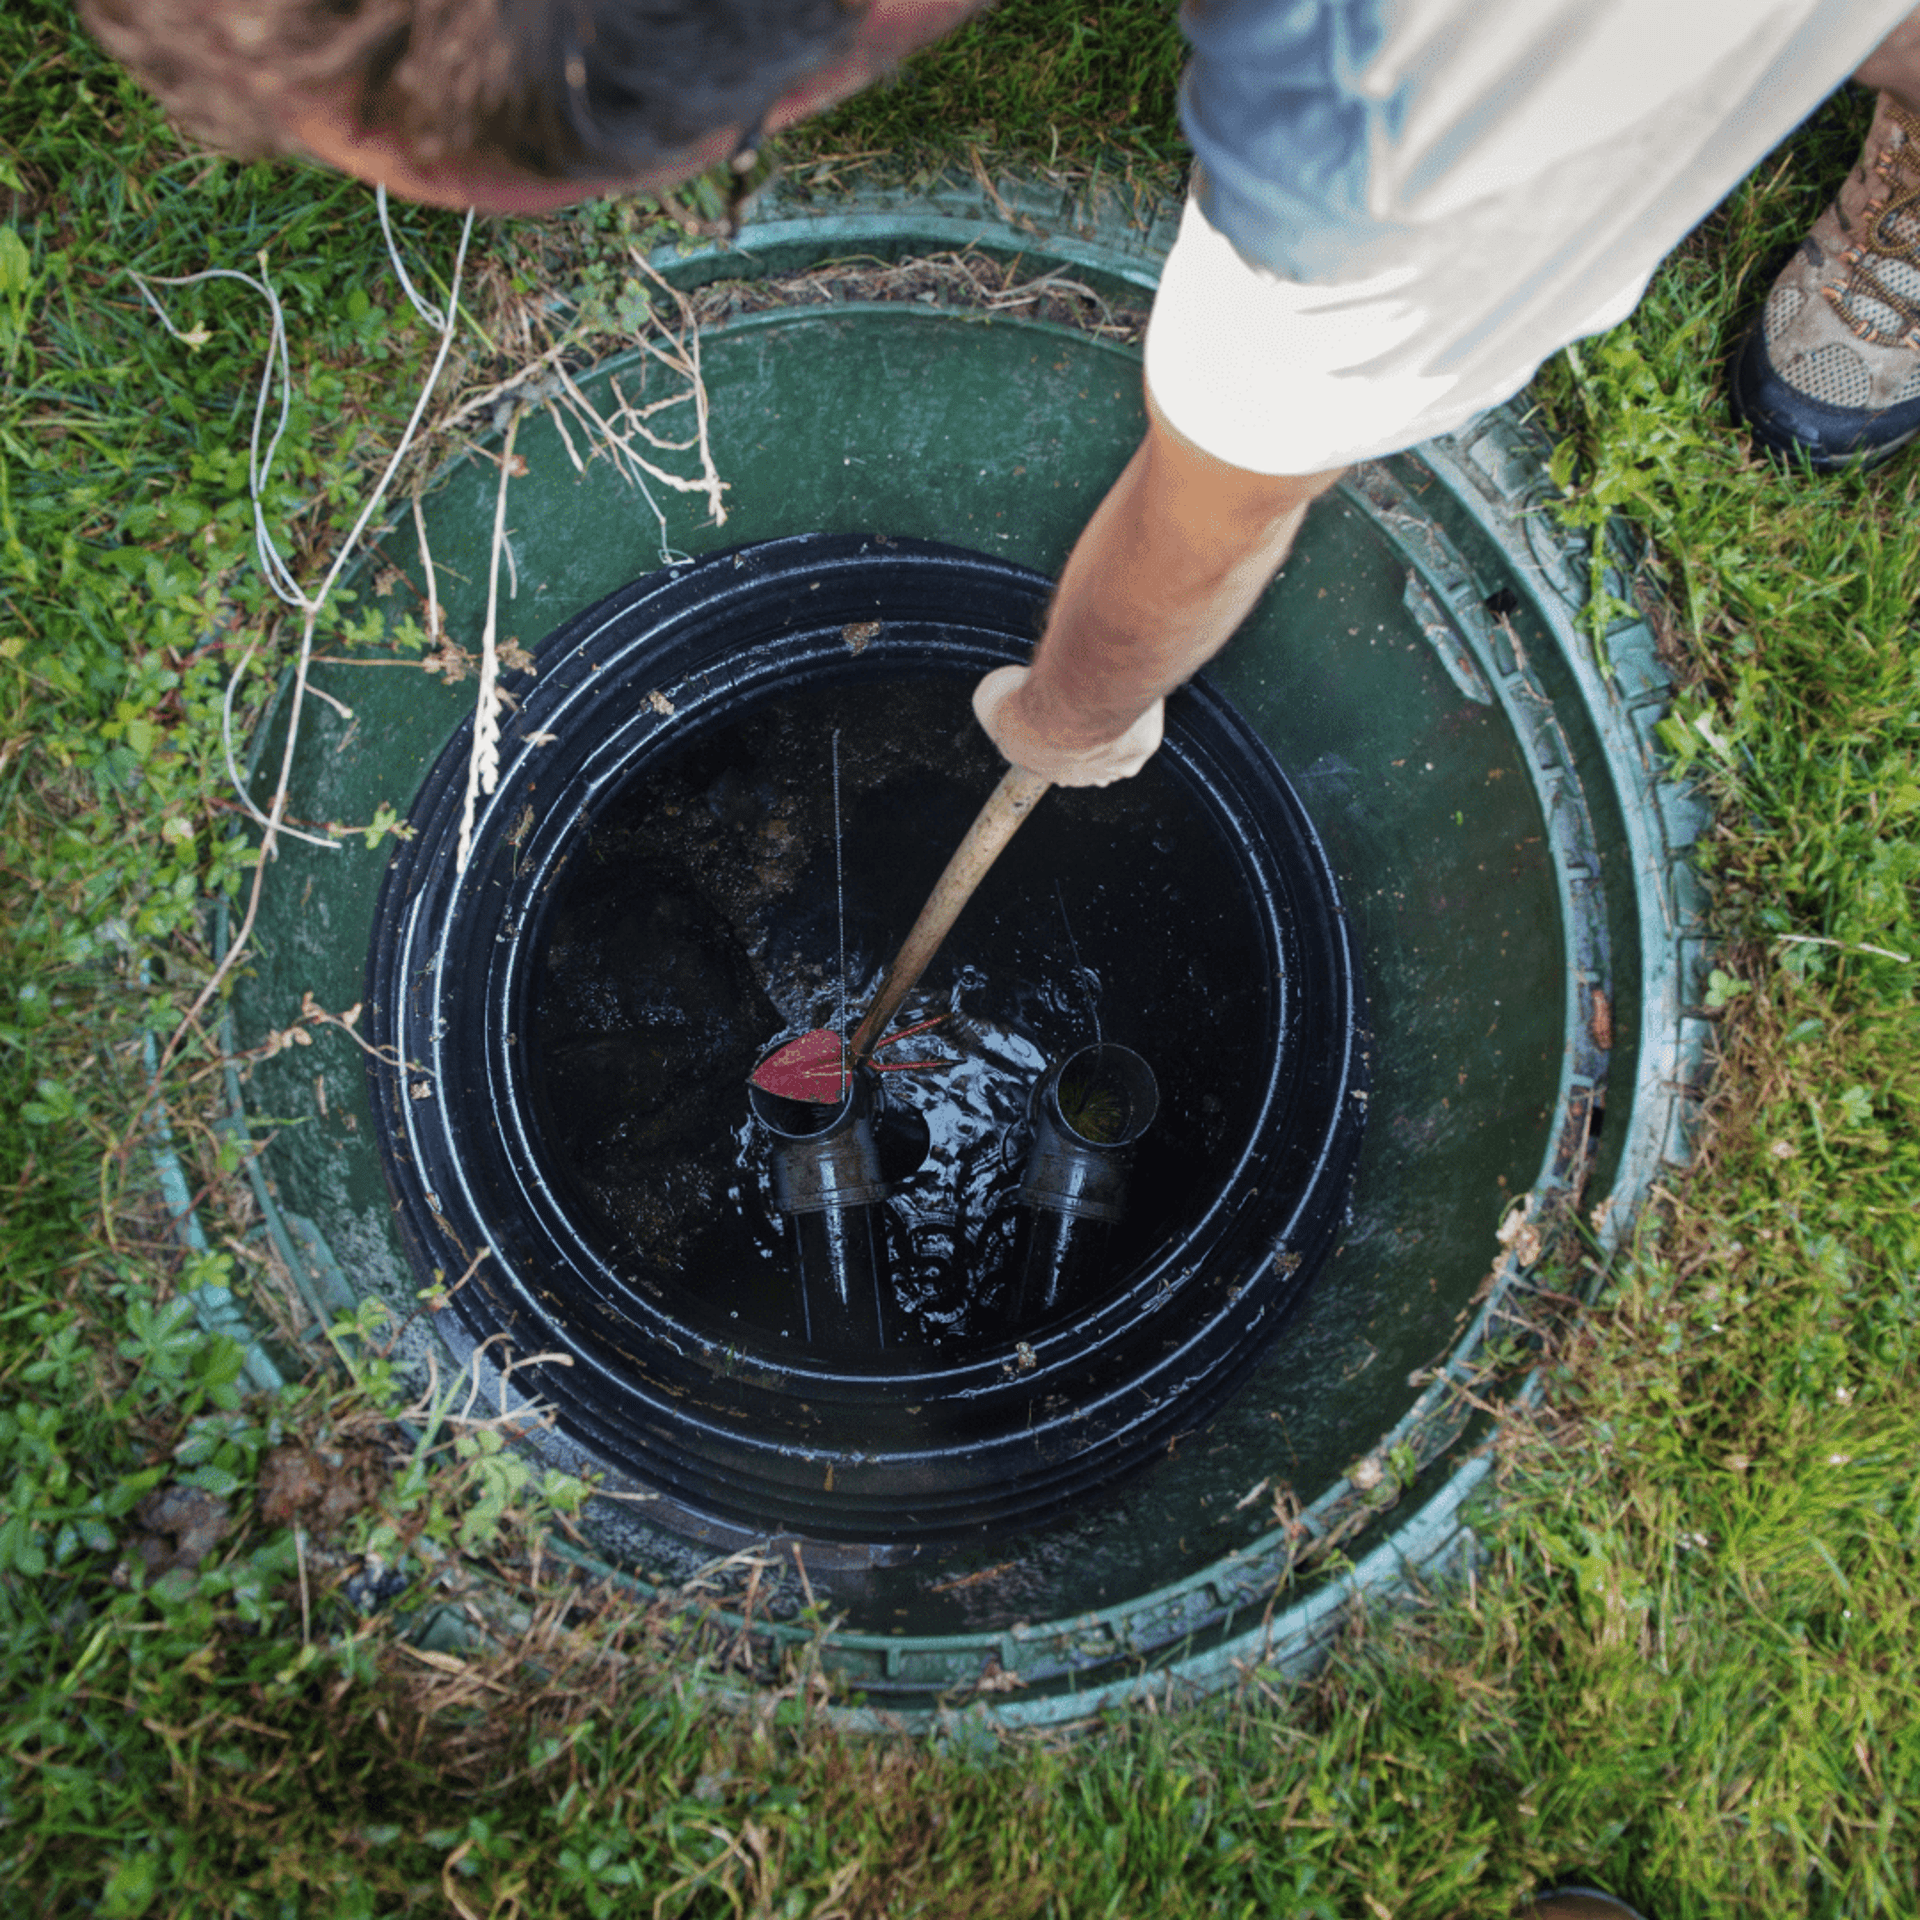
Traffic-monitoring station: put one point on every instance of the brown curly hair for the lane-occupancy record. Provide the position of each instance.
(568, 89)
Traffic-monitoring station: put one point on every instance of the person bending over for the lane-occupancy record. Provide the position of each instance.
(1400, 209)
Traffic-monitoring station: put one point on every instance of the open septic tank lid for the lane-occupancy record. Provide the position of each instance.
(1407, 771)
(562, 1036)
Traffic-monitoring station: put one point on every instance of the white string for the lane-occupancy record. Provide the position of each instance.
(259, 466)
(259, 470)
(1083, 974)
(424, 308)
(413, 423)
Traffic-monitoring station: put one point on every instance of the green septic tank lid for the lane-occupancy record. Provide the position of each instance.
(1486, 782)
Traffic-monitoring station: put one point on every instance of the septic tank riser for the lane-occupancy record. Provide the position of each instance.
(1006, 464)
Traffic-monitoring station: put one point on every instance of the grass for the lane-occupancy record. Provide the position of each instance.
(1683, 1668)
(1033, 81)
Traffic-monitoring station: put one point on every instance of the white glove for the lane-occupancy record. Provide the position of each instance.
(1097, 766)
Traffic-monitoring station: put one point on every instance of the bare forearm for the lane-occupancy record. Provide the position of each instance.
(1170, 564)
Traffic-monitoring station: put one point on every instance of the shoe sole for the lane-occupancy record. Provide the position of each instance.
(1794, 429)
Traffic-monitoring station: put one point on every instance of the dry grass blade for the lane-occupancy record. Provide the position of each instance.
(968, 278)
(682, 356)
(434, 620)
(483, 765)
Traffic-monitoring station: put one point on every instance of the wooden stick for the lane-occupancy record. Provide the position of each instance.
(1007, 805)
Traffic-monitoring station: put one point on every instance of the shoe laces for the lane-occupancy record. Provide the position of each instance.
(1891, 233)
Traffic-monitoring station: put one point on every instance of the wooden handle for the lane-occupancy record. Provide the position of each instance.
(1007, 805)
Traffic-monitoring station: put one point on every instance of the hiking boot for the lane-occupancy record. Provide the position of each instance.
(1831, 369)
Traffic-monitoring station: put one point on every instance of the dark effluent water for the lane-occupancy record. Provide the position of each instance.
(696, 925)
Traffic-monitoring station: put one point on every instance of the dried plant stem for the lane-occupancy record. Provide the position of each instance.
(622, 449)
(483, 402)
(483, 765)
(1844, 946)
(426, 566)
(683, 358)
(306, 1612)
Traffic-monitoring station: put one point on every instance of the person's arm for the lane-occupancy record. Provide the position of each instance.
(1171, 562)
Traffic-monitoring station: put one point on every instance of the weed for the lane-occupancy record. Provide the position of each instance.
(266, 1654)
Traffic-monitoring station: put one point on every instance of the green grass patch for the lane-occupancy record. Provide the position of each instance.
(1681, 1668)
(1031, 81)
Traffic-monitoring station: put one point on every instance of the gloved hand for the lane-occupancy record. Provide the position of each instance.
(1098, 766)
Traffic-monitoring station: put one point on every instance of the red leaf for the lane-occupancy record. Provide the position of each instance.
(814, 1068)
